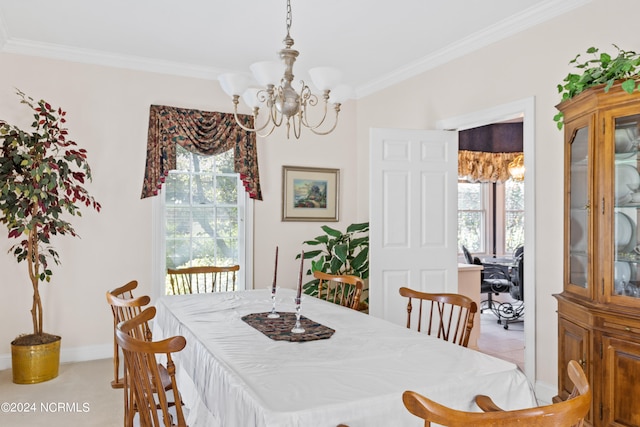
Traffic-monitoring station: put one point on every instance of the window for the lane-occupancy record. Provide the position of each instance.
(491, 217)
(514, 215)
(204, 211)
(472, 216)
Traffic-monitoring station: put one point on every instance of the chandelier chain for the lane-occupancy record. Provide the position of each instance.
(289, 18)
(284, 104)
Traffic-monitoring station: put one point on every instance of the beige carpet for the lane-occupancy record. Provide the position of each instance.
(81, 395)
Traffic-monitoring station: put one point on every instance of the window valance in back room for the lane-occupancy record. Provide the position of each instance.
(485, 152)
(202, 132)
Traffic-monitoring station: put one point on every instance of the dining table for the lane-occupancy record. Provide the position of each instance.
(242, 369)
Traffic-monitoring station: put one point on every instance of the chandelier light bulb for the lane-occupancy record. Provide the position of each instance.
(285, 100)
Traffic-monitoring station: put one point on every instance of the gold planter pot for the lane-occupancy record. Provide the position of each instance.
(33, 364)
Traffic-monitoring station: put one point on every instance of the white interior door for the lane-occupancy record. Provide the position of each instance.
(413, 216)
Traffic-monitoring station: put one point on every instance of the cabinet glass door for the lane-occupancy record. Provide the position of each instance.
(627, 201)
(579, 205)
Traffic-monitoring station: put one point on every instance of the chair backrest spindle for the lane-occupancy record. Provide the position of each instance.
(201, 279)
(345, 290)
(450, 316)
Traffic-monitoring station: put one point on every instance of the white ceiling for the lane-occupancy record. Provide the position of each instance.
(375, 43)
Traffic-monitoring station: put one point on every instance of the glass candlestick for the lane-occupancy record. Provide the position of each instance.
(297, 328)
(273, 314)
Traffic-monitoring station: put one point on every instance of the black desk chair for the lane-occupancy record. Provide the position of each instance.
(516, 311)
(496, 280)
(467, 255)
(499, 278)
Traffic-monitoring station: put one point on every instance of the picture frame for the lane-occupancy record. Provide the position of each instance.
(310, 194)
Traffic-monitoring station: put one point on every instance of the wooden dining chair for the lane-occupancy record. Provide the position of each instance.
(570, 412)
(196, 280)
(124, 306)
(345, 290)
(145, 394)
(446, 316)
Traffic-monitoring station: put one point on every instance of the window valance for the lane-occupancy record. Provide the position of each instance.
(484, 167)
(484, 153)
(202, 132)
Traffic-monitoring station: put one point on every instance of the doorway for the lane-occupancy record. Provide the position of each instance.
(524, 109)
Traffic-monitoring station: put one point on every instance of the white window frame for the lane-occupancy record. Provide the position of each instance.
(158, 247)
(487, 196)
(485, 200)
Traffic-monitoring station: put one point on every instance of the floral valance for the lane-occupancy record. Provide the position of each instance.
(202, 132)
(477, 166)
(484, 153)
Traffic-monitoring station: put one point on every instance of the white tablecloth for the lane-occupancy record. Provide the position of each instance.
(231, 375)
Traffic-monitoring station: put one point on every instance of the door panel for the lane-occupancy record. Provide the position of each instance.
(413, 224)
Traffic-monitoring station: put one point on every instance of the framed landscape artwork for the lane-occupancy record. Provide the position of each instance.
(310, 194)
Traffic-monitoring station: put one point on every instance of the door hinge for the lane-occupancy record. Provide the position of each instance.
(601, 411)
(600, 350)
(602, 206)
(602, 284)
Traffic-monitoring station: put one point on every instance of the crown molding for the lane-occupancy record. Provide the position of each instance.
(514, 24)
(88, 56)
(535, 15)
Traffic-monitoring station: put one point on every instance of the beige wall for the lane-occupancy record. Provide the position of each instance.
(528, 64)
(108, 113)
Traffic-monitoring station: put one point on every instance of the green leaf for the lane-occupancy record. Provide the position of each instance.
(358, 227)
(310, 254)
(360, 259)
(317, 265)
(331, 231)
(335, 266)
(629, 85)
(341, 252)
(314, 242)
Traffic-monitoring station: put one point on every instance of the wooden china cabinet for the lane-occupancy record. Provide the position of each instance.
(599, 307)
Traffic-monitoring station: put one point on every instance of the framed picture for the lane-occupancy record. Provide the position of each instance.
(310, 194)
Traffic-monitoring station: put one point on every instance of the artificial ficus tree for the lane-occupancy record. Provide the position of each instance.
(42, 174)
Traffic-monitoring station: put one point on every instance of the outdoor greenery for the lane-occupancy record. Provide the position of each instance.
(472, 216)
(600, 69)
(514, 215)
(340, 253)
(201, 211)
(41, 183)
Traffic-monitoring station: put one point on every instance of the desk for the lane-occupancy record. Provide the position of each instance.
(231, 375)
(469, 280)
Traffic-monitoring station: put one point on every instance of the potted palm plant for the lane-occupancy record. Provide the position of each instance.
(41, 185)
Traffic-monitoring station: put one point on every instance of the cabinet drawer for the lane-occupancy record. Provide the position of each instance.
(630, 328)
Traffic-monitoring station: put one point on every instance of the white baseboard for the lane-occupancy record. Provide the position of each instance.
(76, 354)
(545, 392)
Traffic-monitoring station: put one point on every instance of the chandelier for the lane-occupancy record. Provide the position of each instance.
(516, 168)
(283, 103)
